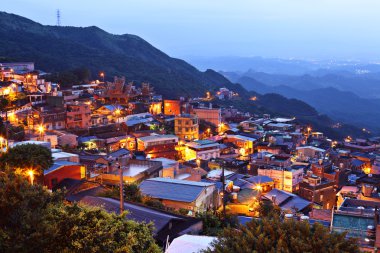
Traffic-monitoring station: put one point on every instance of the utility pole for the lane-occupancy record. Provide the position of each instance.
(224, 190)
(122, 164)
(121, 187)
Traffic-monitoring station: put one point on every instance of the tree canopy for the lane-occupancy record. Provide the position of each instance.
(274, 235)
(28, 156)
(35, 220)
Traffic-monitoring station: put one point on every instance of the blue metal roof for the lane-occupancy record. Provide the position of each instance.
(259, 179)
(58, 164)
(173, 189)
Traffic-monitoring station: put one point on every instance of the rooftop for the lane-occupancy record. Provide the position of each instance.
(173, 189)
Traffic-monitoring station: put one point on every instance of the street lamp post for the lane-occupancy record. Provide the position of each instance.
(120, 163)
(102, 75)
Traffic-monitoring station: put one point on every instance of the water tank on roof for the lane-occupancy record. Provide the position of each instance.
(288, 216)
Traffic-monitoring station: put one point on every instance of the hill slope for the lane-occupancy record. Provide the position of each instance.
(340, 105)
(55, 48)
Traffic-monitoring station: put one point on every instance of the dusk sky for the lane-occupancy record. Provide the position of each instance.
(321, 29)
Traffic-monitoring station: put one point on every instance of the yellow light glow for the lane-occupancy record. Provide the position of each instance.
(259, 187)
(30, 173)
(41, 129)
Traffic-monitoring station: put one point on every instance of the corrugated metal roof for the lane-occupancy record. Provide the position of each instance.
(173, 189)
(135, 212)
(58, 164)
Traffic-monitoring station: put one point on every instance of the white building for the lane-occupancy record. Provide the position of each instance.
(286, 179)
(202, 149)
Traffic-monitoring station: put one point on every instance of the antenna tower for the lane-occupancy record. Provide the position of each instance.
(58, 17)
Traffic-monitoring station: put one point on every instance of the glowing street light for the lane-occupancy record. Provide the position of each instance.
(117, 112)
(31, 176)
(102, 75)
(41, 130)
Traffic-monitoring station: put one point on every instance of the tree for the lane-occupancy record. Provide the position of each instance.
(28, 156)
(213, 225)
(274, 235)
(132, 192)
(35, 220)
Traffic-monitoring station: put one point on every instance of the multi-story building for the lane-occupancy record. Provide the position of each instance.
(186, 127)
(244, 143)
(78, 115)
(286, 179)
(202, 149)
(158, 145)
(172, 107)
(209, 114)
(48, 117)
(318, 190)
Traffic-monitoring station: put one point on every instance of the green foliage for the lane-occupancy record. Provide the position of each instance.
(266, 209)
(213, 225)
(16, 133)
(153, 203)
(35, 220)
(274, 235)
(132, 192)
(128, 55)
(70, 77)
(28, 156)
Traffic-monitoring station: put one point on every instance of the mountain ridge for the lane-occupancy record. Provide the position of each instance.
(56, 49)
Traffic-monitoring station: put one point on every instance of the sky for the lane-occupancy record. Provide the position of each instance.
(304, 29)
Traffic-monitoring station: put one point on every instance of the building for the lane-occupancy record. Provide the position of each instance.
(209, 114)
(78, 115)
(186, 127)
(119, 92)
(158, 145)
(244, 143)
(286, 179)
(166, 225)
(359, 219)
(135, 172)
(172, 107)
(318, 190)
(309, 152)
(287, 201)
(181, 194)
(61, 170)
(155, 108)
(53, 118)
(202, 149)
(190, 244)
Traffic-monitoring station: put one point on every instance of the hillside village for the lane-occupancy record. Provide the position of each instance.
(188, 156)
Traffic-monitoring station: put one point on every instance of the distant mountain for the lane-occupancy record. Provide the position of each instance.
(342, 106)
(366, 85)
(55, 48)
